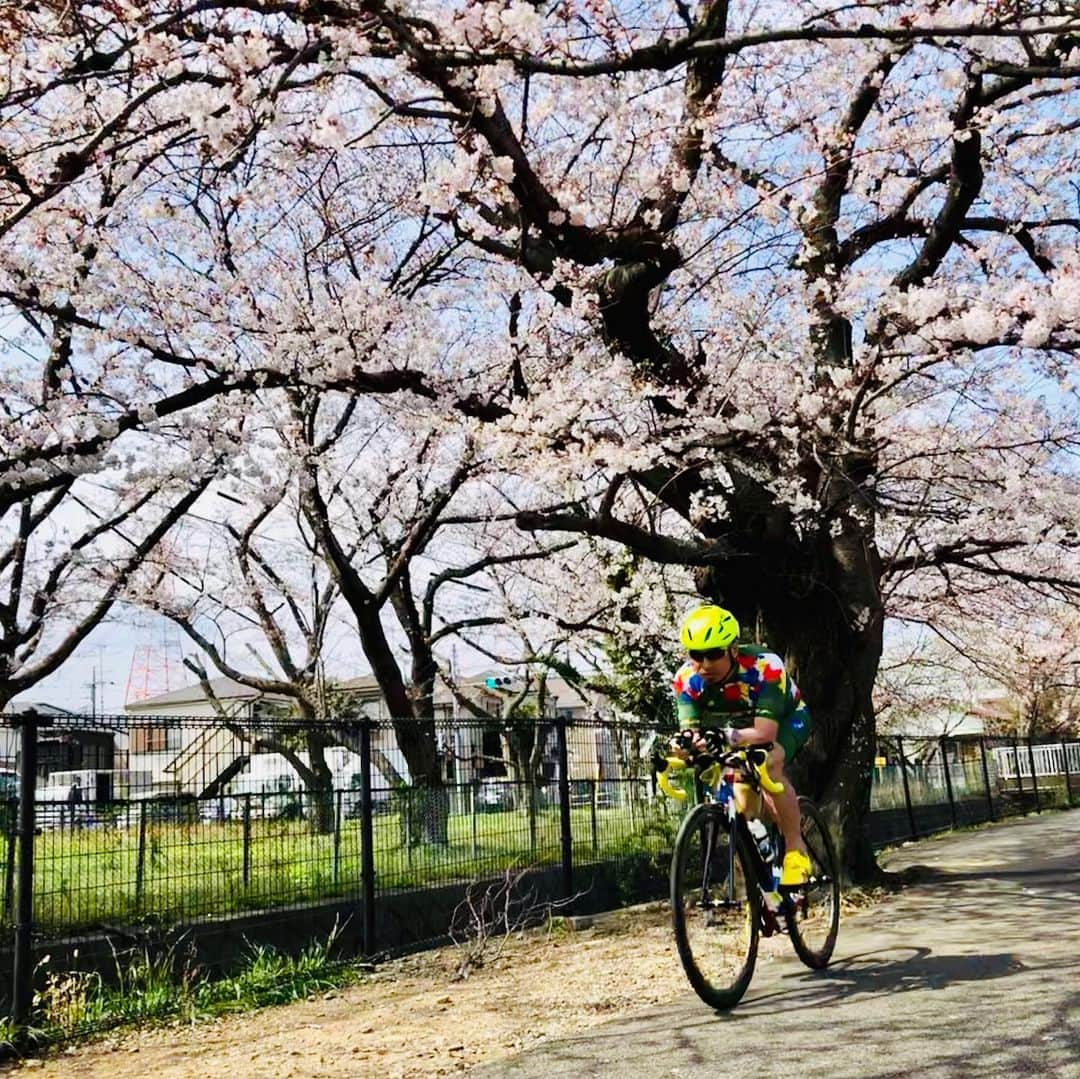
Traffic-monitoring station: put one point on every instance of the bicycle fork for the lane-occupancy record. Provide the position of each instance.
(710, 834)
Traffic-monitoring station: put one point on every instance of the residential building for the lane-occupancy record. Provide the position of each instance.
(185, 752)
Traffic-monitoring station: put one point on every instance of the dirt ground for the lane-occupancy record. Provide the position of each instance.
(409, 1018)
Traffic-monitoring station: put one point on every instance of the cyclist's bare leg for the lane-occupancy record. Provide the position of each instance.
(784, 807)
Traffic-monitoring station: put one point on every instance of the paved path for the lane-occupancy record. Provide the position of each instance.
(974, 973)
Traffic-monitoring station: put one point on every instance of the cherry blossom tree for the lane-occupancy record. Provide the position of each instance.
(788, 291)
(66, 557)
(408, 546)
(143, 303)
(254, 598)
(835, 316)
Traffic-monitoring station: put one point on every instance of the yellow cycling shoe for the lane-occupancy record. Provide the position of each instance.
(796, 869)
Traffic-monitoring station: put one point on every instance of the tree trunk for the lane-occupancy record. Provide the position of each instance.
(320, 786)
(836, 767)
(429, 805)
(424, 814)
(820, 605)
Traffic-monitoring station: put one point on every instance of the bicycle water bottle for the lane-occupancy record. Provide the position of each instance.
(761, 838)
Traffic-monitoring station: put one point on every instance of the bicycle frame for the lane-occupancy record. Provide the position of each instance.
(724, 796)
(703, 896)
(718, 783)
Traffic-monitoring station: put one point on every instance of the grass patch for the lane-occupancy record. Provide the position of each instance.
(149, 990)
(102, 875)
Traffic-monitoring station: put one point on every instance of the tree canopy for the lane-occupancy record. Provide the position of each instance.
(781, 298)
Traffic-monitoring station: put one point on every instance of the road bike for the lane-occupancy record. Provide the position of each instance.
(725, 890)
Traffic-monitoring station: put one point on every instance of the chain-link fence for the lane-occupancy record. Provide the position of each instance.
(218, 832)
(925, 785)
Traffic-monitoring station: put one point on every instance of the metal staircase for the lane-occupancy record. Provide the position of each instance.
(204, 766)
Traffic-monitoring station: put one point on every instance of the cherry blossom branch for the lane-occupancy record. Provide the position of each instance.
(663, 549)
(29, 675)
(666, 54)
(947, 554)
(13, 488)
(460, 575)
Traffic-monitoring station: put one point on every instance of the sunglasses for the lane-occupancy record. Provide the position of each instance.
(709, 653)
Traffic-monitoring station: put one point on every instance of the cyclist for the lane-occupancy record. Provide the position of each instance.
(747, 690)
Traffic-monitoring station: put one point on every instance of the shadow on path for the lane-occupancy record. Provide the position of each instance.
(872, 973)
(883, 971)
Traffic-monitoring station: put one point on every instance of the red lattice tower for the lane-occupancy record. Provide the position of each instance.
(155, 669)
(157, 665)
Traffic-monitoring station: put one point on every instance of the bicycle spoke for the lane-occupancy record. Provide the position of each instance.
(813, 913)
(715, 912)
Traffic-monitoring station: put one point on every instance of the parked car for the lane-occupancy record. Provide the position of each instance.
(9, 784)
(494, 795)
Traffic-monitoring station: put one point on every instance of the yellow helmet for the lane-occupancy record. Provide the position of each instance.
(707, 627)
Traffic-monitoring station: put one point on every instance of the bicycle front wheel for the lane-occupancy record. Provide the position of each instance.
(813, 914)
(715, 907)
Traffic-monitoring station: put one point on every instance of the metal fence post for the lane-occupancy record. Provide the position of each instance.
(1034, 778)
(140, 857)
(474, 787)
(986, 778)
(907, 788)
(367, 839)
(246, 870)
(592, 804)
(1019, 777)
(948, 779)
(337, 836)
(564, 810)
(9, 865)
(22, 990)
(1065, 768)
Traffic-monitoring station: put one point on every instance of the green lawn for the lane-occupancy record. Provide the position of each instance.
(90, 876)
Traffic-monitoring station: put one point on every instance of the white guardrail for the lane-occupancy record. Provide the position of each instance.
(1050, 760)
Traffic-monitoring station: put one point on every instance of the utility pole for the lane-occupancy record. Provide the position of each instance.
(97, 681)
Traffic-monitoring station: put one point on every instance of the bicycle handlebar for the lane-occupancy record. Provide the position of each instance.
(710, 763)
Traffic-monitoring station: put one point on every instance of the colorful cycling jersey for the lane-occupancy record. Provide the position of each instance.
(760, 687)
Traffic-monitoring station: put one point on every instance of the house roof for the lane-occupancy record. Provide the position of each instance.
(365, 686)
(1001, 708)
(225, 689)
(41, 707)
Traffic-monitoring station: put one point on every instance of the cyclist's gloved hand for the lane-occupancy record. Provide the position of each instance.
(712, 741)
(687, 743)
(661, 750)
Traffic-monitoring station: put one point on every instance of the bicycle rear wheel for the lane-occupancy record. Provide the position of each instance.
(813, 914)
(715, 907)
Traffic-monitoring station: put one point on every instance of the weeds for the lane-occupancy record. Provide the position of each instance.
(68, 999)
(153, 988)
(492, 912)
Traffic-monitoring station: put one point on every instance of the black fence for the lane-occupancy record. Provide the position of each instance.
(926, 785)
(126, 832)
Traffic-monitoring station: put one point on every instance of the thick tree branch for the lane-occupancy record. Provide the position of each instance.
(656, 547)
(28, 676)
